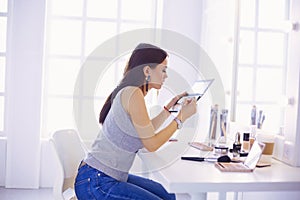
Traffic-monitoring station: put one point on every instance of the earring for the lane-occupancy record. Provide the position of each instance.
(147, 82)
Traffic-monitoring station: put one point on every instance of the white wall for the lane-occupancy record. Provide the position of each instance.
(48, 165)
(292, 115)
(184, 17)
(2, 160)
(24, 93)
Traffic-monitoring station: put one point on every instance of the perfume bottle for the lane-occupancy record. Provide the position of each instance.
(236, 149)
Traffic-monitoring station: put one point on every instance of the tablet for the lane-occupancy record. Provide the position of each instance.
(198, 89)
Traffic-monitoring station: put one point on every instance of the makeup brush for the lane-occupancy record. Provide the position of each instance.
(224, 158)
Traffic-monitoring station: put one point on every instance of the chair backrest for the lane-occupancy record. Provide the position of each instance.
(70, 151)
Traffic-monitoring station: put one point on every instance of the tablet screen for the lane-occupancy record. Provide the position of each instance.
(198, 89)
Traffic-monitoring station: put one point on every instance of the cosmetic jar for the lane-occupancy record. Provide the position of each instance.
(221, 150)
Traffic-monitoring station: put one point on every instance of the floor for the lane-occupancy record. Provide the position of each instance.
(46, 194)
(41, 194)
(26, 194)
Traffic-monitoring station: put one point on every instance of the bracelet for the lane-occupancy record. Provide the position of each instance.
(166, 109)
(178, 121)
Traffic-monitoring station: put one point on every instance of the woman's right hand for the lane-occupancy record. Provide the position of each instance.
(175, 100)
(189, 108)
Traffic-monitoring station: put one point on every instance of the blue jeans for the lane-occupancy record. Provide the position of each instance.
(92, 184)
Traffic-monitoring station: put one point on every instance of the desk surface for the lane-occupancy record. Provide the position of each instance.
(182, 176)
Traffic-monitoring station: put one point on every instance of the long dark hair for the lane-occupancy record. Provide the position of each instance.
(143, 55)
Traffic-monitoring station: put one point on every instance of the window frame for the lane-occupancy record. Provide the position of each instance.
(84, 20)
(255, 66)
(3, 54)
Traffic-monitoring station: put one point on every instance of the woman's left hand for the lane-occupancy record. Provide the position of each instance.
(175, 99)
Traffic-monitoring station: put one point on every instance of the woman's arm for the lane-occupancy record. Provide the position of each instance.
(133, 101)
(158, 120)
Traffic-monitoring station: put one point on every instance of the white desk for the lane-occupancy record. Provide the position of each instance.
(198, 178)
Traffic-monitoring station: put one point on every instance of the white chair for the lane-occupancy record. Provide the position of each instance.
(70, 151)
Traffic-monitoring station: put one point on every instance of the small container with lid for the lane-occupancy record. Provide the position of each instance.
(221, 150)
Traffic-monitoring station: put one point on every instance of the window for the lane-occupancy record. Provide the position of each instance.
(3, 36)
(74, 29)
(262, 60)
(261, 57)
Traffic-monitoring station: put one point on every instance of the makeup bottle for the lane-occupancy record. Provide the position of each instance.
(236, 146)
(246, 142)
(213, 125)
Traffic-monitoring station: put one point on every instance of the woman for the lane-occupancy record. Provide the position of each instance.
(126, 126)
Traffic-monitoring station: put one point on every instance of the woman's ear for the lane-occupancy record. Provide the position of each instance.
(147, 70)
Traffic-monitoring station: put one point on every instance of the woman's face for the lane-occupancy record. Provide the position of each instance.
(158, 75)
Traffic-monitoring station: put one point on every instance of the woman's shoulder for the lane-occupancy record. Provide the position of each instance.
(131, 91)
(131, 94)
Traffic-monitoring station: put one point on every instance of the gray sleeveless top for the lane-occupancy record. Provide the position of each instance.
(114, 149)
